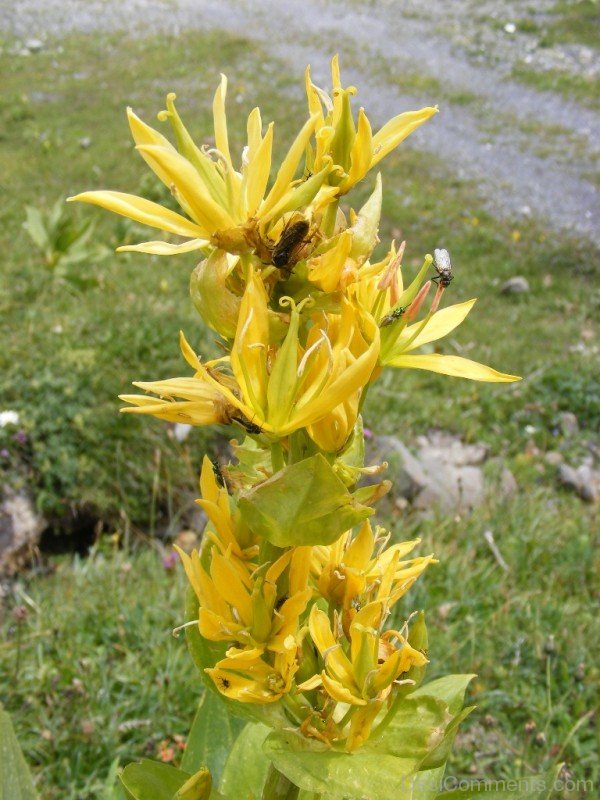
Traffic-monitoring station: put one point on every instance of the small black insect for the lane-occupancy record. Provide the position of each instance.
(392, 317)
(285, 251)
(443, 267)
(247, 425)
(217, 471)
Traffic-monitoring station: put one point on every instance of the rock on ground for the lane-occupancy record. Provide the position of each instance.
(441, 472)
(20, 530)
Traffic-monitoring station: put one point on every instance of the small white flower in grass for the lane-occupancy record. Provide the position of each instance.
(8, 418)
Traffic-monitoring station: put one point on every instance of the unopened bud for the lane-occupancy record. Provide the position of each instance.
(212, 298)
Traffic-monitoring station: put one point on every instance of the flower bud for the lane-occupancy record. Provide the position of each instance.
(218, 306)
(365, 228)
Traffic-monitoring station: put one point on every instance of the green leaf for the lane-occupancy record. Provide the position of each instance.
(247, 766)
(15, 778)
(441, 752)
(211, 737)
(451, 689)
(34, 225)
(151, 780)
(303, 504)
(428, 783)
(417, 728)
(335, 774)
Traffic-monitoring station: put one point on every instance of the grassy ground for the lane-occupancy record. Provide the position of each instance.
(95, 650)
(569, 22)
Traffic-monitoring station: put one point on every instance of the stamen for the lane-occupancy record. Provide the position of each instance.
(246, 325)
(176, 631)
(306, 355)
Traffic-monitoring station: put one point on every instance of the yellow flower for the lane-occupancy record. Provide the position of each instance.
(245, 676)
(364, 677)
(352, 572)
(223, 206)
(352, 146)
(275, 389)
(296, 385)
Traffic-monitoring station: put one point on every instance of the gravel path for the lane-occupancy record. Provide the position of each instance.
(495, 140)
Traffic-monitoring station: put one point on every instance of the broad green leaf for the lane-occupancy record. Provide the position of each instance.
(441, 752)
(34, 225)
(247, 766)
(428, 783)
(211, 737)
(418, 727)
(15, 778)
(303, 504)
(151, 780)
(337, 774)
(451, 689)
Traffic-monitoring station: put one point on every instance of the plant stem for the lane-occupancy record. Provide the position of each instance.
(277, 459)
(278, 787)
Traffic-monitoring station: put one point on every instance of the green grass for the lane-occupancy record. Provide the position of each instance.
(582, 89)
(575, 21)
(93, 673)
(107, 625)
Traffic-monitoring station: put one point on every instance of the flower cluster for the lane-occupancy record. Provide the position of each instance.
(294, 588)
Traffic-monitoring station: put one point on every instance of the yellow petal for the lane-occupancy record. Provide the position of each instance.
(249, 352)
(311, 683)
(361, 154)
(164, 248)
(203, 412)
(361, 548)
(325, 270)
(207, 168)
(440, 324)
(396, 130)
(257, 173)
(289, 166)
(336, 661)
(455, 366)
(361, 724)
(340, 692)
(245, 690)
(144, 211)
(220, 121)
(227, 580)
(186, 184)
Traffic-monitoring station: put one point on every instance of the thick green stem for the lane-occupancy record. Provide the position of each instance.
(277, 458)
(278, 787)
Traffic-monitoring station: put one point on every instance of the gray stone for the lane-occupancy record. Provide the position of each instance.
(515, 285)
(568, 424)
(584, 481)
(508, 483)
(34, 45)
(444, 473)
(554, 458)
(20, 529)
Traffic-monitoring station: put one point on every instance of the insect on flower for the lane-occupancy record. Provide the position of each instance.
(392, 317)
(284, 254)
(443, 267)
(247, 424)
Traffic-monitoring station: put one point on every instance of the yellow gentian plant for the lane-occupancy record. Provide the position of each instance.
(291, 609)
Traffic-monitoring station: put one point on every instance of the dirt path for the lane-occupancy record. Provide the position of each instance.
(530, 152)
